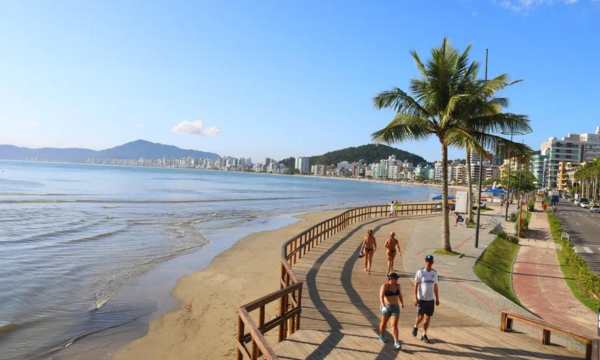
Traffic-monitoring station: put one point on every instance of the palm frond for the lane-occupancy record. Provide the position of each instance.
(404, 127)
(398, 100)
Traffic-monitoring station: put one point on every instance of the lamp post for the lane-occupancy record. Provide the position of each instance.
(478, 221)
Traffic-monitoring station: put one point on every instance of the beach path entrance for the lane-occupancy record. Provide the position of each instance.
(340, 311)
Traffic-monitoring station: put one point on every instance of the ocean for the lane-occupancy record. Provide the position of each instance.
(89, 254)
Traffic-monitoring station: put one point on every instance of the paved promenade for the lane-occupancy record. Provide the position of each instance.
(340, 302)
(540, 285)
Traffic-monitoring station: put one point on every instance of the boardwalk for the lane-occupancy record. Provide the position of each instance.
(340, 312)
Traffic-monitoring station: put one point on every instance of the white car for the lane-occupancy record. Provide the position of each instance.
(584, 203)
(595, 209)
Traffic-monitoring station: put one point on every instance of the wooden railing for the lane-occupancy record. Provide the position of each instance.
(506, 324)
(251, 342)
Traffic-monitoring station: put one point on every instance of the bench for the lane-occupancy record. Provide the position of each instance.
(591, 345)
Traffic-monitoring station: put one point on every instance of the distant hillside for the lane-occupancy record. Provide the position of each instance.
(369, 153)
(131, 150)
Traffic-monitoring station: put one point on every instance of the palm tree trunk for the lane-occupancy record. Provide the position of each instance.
(470, 186)
(445, 210)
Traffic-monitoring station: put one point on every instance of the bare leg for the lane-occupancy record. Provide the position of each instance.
(426, 324)
(395, 327)
(370, 260)
(383, 324)
(418, 321)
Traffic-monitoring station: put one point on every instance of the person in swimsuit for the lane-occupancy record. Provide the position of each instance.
(390, 299)
(369, 247)
(391, 245)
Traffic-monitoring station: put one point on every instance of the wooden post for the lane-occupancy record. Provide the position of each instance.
(282, 309)
(254, 350)
(299, 306)
(546, 334)
(240, 337)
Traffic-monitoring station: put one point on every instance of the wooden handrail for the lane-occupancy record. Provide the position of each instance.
(506, 324)
(290, 294)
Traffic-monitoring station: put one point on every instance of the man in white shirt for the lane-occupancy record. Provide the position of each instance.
(426, 296)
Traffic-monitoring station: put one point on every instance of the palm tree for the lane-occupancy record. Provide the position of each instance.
(448, 102)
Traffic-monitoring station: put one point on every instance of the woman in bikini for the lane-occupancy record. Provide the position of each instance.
(390, 299)
(369, 247)
(391, 245)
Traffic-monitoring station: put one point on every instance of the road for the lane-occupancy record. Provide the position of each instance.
(584, 229)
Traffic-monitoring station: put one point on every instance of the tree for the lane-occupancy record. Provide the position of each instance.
(447, 102)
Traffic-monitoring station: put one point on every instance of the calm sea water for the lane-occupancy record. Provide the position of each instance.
(77, 242)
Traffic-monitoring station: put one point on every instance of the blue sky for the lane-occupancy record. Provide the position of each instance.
(275, 78)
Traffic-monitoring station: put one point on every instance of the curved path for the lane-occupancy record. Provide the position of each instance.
(340, 310)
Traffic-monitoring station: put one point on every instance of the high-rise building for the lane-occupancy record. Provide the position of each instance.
(303, 165)
(573, 148)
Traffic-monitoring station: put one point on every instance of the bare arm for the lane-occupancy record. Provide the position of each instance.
(437, 294)
(400, 296)
(381, 296)
(416, 291)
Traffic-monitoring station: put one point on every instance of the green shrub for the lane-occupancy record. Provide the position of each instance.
(531, 205)
(512, 217)
(584, 284)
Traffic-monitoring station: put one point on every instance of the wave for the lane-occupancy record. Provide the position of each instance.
(148, 201)
(100, 303)
(96, 236)
(6, 327)
(38, 237)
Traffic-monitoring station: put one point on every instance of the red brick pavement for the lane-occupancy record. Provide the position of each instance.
(540, 286)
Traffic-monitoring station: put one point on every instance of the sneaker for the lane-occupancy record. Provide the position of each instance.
(382, 339)
(397, 345)
(425, 339)
(415, 330)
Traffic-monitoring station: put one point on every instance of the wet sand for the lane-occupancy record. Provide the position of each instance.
(205, 324)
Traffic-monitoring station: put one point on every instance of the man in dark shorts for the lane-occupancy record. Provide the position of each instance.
(426, 296)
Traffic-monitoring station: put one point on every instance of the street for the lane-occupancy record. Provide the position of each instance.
(584, 229)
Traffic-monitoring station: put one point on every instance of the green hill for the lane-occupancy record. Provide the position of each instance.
(369, 153)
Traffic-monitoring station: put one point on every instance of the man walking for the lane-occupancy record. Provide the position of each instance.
(426, 296)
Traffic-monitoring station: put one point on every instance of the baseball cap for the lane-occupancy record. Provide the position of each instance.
(429, 258)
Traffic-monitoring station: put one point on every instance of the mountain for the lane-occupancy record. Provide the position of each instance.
(149, 150)
(369, 153)
(131, 150)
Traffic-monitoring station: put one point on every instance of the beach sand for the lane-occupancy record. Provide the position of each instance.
(205, 324)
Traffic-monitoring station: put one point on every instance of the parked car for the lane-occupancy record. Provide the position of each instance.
(584, 203)
(595, 208)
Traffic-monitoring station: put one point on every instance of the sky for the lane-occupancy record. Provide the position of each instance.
(276, 78)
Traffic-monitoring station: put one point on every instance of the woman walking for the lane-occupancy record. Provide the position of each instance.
(391, 245)
(369, 247)
(390, 298)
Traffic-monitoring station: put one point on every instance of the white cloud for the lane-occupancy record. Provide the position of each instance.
(525, 5)
(195, 128)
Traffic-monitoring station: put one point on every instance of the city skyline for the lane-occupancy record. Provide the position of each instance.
(245, 79)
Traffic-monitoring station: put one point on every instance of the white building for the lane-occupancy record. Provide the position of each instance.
(573, 148)
(303, 165)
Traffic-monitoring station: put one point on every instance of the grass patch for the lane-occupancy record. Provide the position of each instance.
(494, 267)
(446, 252)
(584, 284)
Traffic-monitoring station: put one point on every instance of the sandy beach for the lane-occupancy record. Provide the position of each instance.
(204, 325)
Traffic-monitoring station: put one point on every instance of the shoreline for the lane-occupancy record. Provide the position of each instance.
(376, 181)
(207, 298)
